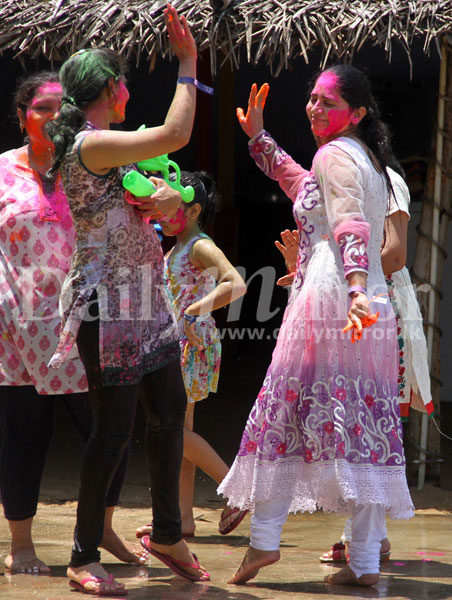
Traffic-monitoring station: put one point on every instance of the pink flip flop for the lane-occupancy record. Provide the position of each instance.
(175, 565)
(241, 514)
(80, 586)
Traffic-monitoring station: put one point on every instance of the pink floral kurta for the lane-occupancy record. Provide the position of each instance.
(187, 284)
(325, 429)
(119, 257)
(36, 243)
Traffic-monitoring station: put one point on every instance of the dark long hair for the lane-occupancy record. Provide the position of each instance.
(206, 195)
(83, 77)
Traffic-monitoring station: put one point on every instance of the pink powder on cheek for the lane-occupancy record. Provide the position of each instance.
(338, 121)
(179, 219)
(34, 128)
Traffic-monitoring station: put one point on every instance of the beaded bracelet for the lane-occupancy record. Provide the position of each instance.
(204, 88)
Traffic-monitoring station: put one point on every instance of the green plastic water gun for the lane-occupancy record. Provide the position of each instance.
(139, 185)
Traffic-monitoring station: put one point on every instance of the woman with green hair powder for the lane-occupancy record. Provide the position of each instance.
(113, 300)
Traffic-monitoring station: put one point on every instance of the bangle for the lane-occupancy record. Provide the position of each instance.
(204, 88)
(357, 288)
(190, 318)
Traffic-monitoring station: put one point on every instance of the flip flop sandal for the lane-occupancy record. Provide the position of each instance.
(241, 514)
(336, 555)
(176, 565)
(80, 586)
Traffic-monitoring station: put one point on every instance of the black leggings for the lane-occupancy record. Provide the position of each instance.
(164, 401)
(27, 425)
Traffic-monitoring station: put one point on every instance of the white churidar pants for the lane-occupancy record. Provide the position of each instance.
(368, 529)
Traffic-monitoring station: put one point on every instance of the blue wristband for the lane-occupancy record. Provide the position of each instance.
(203, 88)
(190, 318)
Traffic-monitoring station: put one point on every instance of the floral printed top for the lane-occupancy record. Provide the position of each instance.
(186, 284)
(118, 256)
(37, 239)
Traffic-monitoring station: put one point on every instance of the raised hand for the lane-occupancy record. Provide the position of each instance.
(289, 248)
(180, 37)
(253, 121)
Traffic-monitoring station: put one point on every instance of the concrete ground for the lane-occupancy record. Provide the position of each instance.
(420, 565)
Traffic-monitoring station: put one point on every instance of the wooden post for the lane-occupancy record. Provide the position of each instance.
(432, 208)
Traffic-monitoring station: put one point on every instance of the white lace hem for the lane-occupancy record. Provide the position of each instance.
(332, 486)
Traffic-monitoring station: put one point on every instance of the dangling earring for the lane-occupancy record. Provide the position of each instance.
(21, 128)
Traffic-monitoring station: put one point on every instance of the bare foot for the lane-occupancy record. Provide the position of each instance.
(24, 560)
(346, 577)
(93, 570)
(181, 552)
(385, 547)
(143, 530)
(252, 562)
(147, 530)
(124, 550)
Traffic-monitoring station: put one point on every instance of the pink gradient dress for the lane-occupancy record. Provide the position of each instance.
(325, 429)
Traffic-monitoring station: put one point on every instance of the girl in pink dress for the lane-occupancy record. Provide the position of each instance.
(325, 430)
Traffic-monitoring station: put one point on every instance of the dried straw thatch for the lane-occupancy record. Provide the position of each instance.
(273, 31)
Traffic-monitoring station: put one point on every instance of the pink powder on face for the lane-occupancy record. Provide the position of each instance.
(44, 105)
(51, 92)
(328, 112)
(122, 97)
(338, 121)
(179, 219)
(52, 87)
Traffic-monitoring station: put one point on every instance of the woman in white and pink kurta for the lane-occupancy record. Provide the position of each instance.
(325, 429)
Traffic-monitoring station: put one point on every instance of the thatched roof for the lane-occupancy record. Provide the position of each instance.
(272, 31)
